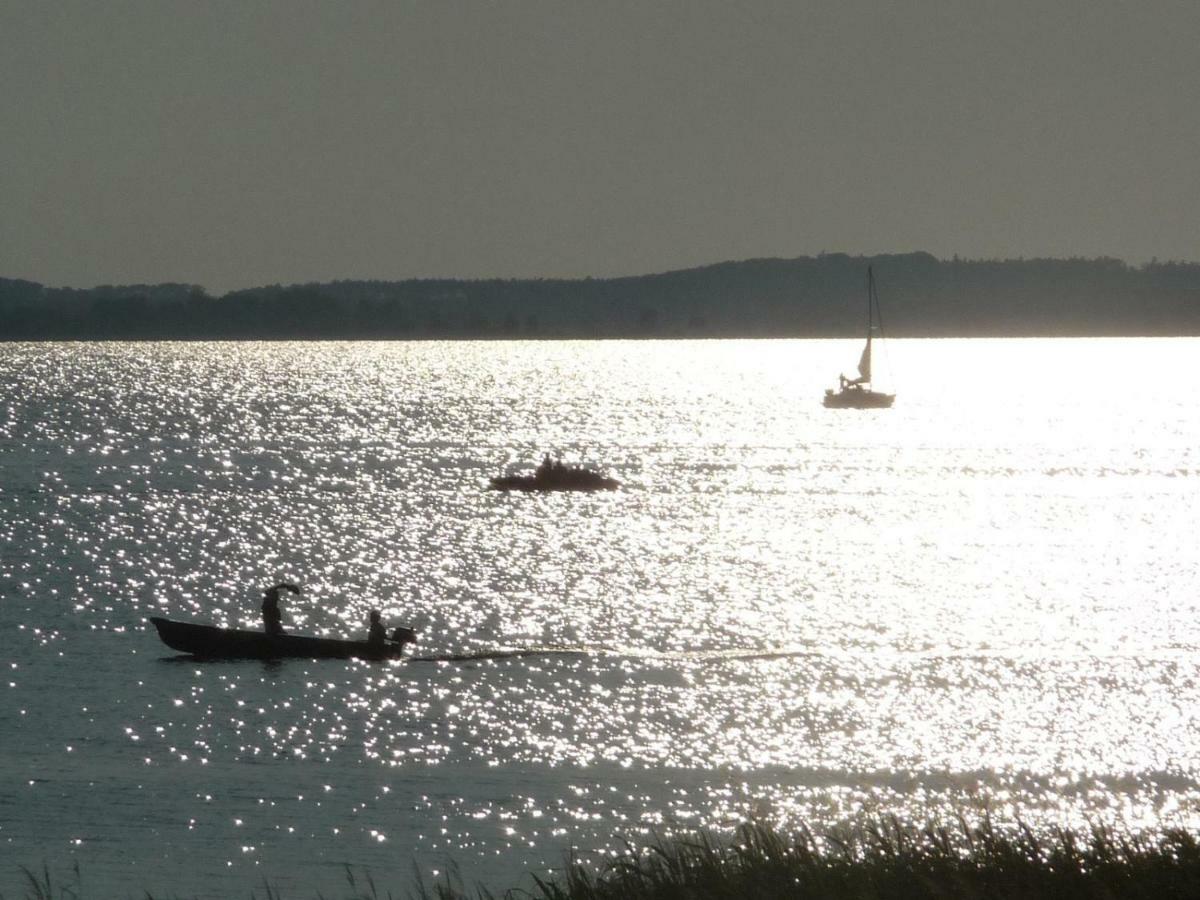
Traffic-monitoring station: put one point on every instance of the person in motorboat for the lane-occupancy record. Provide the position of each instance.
(377, 636)
(552, 469)
(271, 613)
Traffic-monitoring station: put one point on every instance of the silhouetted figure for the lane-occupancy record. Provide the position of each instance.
(377, 636)
(546, 466)
(271, 613)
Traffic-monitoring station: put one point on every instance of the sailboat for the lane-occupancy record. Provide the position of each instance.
(856, 393)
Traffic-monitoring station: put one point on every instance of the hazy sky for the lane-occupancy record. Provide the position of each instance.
(233, 144)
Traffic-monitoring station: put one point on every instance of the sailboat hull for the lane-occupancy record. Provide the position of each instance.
(857, 398)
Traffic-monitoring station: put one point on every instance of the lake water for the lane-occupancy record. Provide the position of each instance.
(982, 598)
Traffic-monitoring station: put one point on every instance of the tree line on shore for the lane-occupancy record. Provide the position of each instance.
(817, 296)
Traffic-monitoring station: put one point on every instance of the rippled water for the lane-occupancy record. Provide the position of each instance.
(984, 596)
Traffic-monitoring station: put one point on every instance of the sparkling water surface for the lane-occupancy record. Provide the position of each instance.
(982, 598)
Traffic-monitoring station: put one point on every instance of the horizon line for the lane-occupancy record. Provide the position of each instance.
(955, 258)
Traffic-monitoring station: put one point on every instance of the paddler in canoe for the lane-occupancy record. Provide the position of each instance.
(271, 613)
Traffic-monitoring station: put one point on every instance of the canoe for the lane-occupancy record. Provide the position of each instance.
(210, 642)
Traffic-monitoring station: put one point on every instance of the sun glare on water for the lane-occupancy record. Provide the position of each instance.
(982, 596)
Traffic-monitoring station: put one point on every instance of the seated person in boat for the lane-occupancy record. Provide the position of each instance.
(546, 466)
(377, 636)
(271, 613)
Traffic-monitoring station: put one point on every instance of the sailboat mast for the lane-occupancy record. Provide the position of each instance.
(870, 299)
(873, 298)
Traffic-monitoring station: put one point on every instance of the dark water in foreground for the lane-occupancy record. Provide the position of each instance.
(983, 596)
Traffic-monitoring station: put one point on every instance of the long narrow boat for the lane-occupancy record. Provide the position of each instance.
(210, 642)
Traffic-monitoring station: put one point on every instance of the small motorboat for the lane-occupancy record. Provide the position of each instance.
(580, 481)
(210, 642)
(554, 476)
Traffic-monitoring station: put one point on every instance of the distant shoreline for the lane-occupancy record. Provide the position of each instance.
(806, 297)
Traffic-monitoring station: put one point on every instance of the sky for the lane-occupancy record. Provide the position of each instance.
(236, 144)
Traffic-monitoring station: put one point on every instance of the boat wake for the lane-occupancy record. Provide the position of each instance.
(485, 655)
(614, 653)
(752, 655)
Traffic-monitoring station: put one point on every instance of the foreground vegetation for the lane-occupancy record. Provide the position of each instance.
(880, 861)
(889, 860)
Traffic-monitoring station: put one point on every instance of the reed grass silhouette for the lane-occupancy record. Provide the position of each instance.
(882, 859)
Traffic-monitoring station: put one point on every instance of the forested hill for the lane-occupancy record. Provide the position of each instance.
(822, 296)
